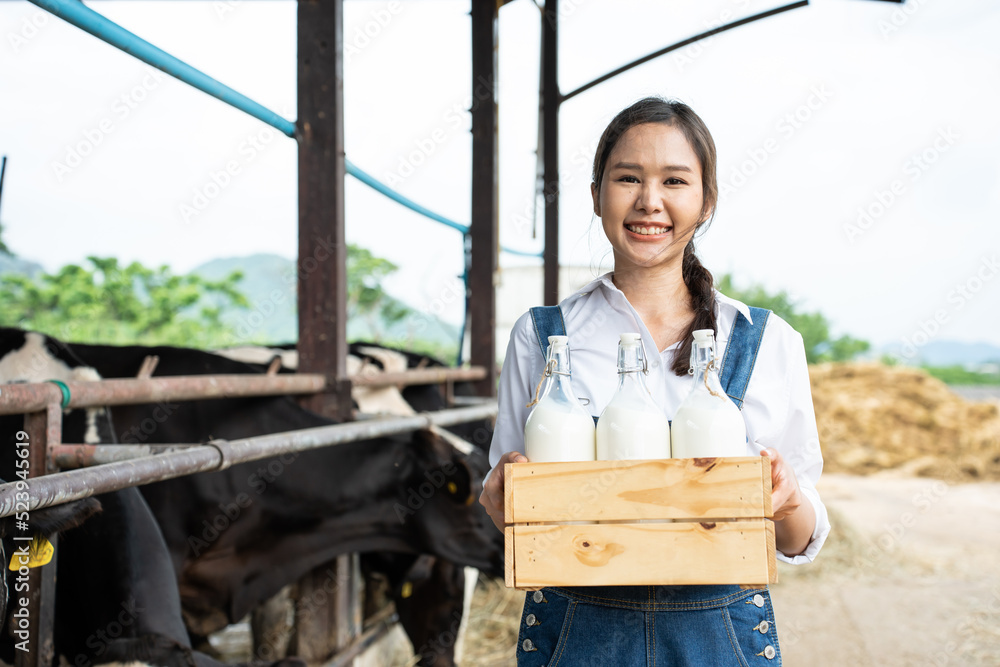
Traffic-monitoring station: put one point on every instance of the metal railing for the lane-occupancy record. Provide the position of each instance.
(43, 403)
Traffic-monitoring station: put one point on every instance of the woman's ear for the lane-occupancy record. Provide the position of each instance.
(597, 199)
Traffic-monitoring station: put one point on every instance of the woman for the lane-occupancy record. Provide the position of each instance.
(654, 186)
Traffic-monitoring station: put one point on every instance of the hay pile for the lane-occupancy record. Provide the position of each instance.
(873, 417)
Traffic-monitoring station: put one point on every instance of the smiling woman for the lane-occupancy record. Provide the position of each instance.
(654, 187)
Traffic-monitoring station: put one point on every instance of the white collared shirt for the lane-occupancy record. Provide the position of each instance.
(777, 408)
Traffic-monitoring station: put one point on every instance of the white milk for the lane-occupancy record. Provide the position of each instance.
(623, 433)
(552, 434)
(699, 431)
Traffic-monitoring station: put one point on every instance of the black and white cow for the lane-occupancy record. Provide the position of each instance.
(117, 598)
(237, 536)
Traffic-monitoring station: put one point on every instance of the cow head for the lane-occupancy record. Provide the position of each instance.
(440, 501)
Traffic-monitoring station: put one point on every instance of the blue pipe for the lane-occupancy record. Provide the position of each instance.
(81, 16)
(78, 14)
(379, 186)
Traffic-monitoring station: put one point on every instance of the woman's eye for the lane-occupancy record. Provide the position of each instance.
(674, 181)
(628, 179)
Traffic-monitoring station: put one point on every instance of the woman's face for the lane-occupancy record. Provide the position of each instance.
(650, 198)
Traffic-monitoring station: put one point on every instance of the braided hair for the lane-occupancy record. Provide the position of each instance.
(697, 278)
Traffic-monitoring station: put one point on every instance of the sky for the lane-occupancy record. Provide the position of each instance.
(857, 143)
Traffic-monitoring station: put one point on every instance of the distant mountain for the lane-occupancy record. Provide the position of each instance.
(269, 283)
(25, 267)
(946, 353)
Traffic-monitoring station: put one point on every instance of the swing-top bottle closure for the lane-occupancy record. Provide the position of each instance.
(704, 360)
(557, 344)
(631, 340)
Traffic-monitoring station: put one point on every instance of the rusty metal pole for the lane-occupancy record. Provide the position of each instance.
(322, 262)
(484, 230)
(43, 429)
(550, 149)
(322, 285)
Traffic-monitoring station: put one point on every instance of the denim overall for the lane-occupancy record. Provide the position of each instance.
(693, 626)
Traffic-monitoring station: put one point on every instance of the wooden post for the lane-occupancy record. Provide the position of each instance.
(326, 620)
(550, 149)
(322, 288)
(43, 428)
(485, 212)
(322, 262)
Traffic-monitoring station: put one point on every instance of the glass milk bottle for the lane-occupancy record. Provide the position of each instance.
(559, 428)
(707, 423)
(632, 426)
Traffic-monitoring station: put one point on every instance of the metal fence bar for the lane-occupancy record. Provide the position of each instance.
(419, 376)
(218, 455)
(32, 397)
(18, 398)
(70, 457)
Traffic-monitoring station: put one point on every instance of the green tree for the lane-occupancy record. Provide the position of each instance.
(108, 303)
(365, 296)
(814, 328)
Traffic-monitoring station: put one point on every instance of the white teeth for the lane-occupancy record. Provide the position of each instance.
(645, 231)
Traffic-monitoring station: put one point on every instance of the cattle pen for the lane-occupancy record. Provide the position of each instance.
(322, 380)
(43, 405)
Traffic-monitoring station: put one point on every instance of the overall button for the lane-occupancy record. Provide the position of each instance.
(757, 600)
(528, 645)
(531, 620)
(762, 627)
(769, 652)
(538, 597)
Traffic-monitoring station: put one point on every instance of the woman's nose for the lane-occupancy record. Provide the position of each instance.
(649, 199)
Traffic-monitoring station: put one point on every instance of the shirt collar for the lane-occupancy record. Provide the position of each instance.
(740, 307)
(720, 298)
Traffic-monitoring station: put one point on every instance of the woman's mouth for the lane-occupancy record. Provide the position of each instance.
(647, 230)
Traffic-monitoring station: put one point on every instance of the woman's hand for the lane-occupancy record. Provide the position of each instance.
(794, 517)
(492, 495)
(785, 494)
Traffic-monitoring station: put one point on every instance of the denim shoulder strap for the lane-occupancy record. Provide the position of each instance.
(548, 321)
(741, 354)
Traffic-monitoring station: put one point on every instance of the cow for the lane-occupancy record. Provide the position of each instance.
(432, 595)
(237, 536)
(117, 597)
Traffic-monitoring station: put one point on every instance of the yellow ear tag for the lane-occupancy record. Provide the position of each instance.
(40, 552)
(407, 590)
(452, 487)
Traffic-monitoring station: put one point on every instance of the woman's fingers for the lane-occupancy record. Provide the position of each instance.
(785, 496)
(493, 493)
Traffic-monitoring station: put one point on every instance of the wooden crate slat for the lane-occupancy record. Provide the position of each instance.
(674, 553)
(712, 488)
(771, 552)
(508, 556)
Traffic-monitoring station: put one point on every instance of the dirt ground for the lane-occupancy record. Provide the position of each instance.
(910, 576)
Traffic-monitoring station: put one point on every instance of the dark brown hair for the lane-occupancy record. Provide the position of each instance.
(697, 278)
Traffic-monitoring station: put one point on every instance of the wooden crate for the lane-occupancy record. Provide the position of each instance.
(664, 522)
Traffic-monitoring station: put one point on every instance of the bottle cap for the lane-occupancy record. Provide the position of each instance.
(559, 341)
(704, 336)
(630, 338)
